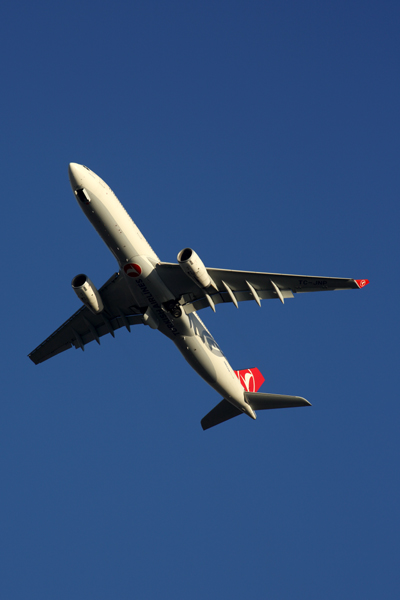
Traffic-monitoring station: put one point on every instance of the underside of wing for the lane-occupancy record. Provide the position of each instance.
(239, 286)
(84, 326)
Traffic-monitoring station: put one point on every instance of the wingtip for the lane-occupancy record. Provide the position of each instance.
(304, 402)
(361, 282)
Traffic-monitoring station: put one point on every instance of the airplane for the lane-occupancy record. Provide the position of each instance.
(167, 297)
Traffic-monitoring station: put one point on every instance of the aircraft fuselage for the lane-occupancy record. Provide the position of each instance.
(150, 295)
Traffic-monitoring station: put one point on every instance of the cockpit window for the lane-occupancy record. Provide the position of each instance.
(82, 195)
(85, 167)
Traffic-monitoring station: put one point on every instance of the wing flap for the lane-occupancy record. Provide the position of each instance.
(223, 296)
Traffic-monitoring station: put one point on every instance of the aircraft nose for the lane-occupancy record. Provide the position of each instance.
(75, 175)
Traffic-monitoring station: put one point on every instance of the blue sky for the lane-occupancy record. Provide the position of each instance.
(265, 135)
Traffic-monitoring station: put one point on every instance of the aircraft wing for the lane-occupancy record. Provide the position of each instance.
(238, 286)
(84, 326)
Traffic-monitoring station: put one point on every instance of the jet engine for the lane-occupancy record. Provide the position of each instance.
(87, 293)
(194, 268)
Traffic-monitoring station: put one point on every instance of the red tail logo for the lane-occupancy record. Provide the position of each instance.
(251, 379)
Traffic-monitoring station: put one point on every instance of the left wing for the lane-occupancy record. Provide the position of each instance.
(84, 326)
(239, 286)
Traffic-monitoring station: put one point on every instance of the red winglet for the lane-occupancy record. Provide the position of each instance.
(251, 379)
(361, 282)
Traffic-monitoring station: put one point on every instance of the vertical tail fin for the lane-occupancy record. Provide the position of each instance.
(251, 379)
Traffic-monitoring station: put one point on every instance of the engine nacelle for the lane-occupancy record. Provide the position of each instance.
(194, 268)
(87, 293)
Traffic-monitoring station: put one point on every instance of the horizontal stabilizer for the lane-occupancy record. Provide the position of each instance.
(225, 410)
(259, 401)
(220, 413)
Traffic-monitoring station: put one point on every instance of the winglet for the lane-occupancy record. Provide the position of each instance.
(361, 282)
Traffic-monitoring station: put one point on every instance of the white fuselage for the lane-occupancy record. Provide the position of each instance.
(137, 261)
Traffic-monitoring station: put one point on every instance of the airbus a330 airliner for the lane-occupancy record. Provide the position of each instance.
(167, 296)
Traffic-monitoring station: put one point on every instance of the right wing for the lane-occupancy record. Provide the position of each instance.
(84, 326)
(239, 286)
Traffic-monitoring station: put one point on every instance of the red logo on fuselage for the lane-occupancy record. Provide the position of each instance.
(132, 270)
